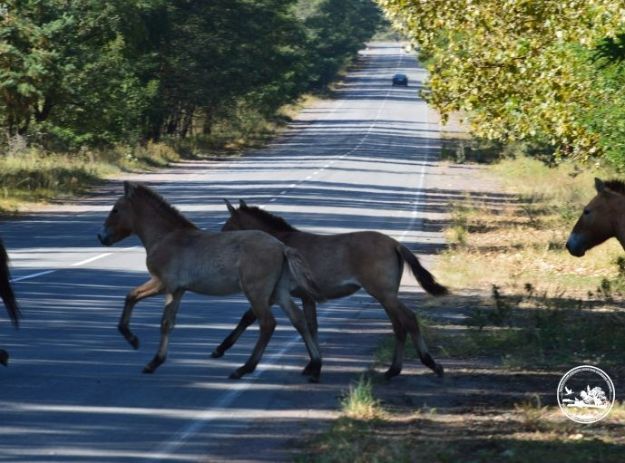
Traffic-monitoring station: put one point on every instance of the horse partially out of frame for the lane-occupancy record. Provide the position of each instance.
(602, 218)
(8, 297)
(341, 265)
(181, 257)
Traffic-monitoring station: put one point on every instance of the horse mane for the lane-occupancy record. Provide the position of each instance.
(161, 205)
(617, 186)
(275, 222)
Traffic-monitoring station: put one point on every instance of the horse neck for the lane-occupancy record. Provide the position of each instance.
(151, 225)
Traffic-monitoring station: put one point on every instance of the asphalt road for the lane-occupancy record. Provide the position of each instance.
(74, 390)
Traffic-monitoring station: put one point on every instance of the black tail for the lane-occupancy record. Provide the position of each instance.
(425, 278)
(302, 274)
(6, 292)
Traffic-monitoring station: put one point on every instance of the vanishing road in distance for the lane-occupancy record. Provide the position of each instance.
(74, 390)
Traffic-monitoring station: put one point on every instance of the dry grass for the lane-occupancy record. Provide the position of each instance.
(359, 403)
(33, 176)
(521, 240)
(529, 317)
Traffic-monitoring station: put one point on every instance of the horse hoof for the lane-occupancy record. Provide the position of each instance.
(217, 354)
(149, 370)
(134, 342)
(313, 378)
(439, 370)
(235, 375)
(308, 370)
(4, 358)
(391, 373)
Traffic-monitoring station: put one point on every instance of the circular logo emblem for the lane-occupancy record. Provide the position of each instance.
(586, 394)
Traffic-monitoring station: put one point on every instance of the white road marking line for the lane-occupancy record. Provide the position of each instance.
(76, 264)
(34, 275)
(92, 259)
(167, 449)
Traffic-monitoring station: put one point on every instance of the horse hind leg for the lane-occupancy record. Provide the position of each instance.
(400, 338)
(4, 357)
(310, 312)
(405, 321)
(410, 322)
(267, 325)
(246, 320)
(298, 319)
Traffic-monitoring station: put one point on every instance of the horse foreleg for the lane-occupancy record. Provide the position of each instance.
(267, 324)
(150, 288)
(246, 320)
(172, 303)
(4, 357)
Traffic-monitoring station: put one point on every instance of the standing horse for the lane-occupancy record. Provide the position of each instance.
(181, 257)
(341, 265)
(8, 297)
(602, 218)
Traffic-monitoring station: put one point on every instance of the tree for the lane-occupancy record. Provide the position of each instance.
(517, 67)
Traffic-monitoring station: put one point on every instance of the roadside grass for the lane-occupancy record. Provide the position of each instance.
(527, 431)
(33, 176)
(528, 309)
(521, 239)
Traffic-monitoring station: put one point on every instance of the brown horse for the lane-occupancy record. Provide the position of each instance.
(8, 297)
(602, 218)
(181, 257)
(341, 265)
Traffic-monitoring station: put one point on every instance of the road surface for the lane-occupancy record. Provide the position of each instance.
(74, 390)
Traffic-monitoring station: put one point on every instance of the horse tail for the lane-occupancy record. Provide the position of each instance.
(6, 292)
(302, 274)
(425, 278)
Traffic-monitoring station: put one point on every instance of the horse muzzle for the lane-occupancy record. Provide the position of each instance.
(575, 246)
(105, 238)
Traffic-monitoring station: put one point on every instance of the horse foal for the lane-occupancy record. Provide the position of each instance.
(181, 257)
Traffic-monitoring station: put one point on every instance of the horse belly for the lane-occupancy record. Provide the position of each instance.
(214, 283)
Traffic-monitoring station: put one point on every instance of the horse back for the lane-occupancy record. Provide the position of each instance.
(342, 263)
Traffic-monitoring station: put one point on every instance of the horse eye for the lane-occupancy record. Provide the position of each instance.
(586, 211)
(114, 211)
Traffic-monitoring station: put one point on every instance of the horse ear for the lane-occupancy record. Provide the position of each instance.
(242, 203)
(129, 189)
(230, 207)
(599, 185)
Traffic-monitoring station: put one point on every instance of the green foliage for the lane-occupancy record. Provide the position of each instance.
(523, 70)
(86, 72)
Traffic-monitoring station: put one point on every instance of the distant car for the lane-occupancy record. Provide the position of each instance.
(400, 79)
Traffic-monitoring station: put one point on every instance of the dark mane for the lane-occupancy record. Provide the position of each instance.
(161, 205)
(273, 221)
(616, 185)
